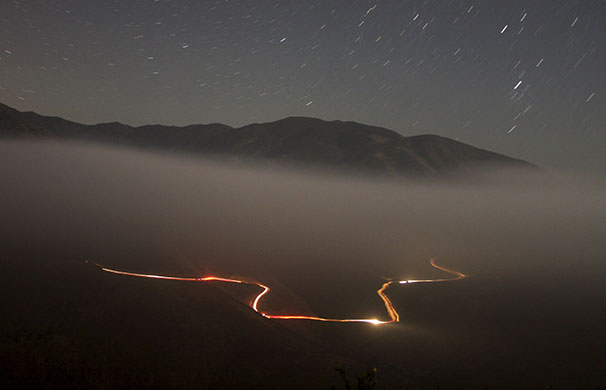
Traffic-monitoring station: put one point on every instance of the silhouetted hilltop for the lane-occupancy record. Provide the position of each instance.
(291, 141)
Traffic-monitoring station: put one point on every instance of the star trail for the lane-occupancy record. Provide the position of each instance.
(524, 78)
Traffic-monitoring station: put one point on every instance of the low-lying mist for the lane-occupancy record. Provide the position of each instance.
(161, 213)
(530, 313)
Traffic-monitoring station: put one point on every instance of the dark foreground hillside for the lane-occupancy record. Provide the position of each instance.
(67, 325)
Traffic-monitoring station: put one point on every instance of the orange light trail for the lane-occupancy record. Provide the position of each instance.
(391, 311)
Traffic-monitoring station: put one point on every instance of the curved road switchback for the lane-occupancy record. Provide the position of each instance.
(391, 311)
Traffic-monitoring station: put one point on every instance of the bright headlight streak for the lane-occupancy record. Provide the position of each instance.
(254, 305)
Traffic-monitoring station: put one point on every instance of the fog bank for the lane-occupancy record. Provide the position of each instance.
(165, 213)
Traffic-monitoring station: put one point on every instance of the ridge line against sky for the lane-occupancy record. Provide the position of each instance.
(523, 78)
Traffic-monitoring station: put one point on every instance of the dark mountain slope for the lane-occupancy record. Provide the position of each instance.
(291, 141)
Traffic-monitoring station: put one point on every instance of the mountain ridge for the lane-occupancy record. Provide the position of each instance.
(294, 140)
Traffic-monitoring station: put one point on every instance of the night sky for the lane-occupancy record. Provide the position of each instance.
(524, 78)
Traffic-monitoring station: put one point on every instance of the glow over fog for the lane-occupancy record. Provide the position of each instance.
(148, 212)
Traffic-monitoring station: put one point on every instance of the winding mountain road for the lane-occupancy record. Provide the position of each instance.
(391, 311)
